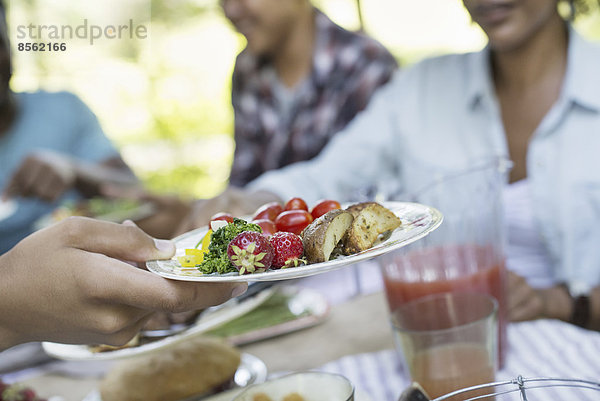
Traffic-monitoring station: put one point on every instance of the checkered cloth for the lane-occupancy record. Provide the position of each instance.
(541, 348)
(347, 68)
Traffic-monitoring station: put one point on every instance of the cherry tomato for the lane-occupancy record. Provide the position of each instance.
(296, 204)
(221, 216)
(268, 227)
(323, 206)
(293, 221)
(268, 211)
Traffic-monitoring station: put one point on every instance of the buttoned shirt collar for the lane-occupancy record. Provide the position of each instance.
(480, 85)
(576, 88)
(579, 89)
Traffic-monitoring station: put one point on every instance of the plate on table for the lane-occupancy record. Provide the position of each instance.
(288, 309)
(209, 319)
(417, 221)
(113, 210)
(359, 395)
(252, 370)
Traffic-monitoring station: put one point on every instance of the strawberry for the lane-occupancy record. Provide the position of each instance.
(288, 250)
(250, 252)
(28, 394)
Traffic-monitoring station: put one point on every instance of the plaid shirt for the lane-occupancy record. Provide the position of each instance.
(347, 69)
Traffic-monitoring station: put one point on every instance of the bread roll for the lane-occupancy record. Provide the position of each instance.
(192, 367)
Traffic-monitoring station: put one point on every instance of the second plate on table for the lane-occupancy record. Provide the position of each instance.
(287, 310)
(252, 370)
(210, 319)
(113, 210)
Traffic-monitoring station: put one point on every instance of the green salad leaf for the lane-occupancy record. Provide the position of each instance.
(216, 260)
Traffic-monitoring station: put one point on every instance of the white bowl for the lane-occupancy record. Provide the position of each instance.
(312, 386)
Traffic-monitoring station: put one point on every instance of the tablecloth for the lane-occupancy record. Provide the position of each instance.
(542, 348)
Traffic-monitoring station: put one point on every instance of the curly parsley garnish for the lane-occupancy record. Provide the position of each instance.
(216, 260)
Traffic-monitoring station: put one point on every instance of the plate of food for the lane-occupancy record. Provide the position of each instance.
(235, 251)
(301, 386)
(157, 338)
(188, 371)
(288, 309)
(114, 210)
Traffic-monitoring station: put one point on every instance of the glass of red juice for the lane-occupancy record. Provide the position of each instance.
(448, 341)
(466, 253)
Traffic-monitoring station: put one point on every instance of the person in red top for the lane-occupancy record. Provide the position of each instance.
(300, 79)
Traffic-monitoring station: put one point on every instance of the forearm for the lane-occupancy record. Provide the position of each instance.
(560, 305)
(8, 337)
(90, 177)
(595, 309)
(237, 201)
(354, 159)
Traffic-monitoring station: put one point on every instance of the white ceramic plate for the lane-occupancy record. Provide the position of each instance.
(417, 221)
(359, 395)
(309, 305)
(7, 208)
(218, 316)
(252, 370)
(312, 385)
(134, 213)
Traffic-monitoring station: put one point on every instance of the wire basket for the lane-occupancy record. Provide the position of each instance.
(524, 386)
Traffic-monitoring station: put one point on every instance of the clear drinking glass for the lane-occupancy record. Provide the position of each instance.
(466, 253)
(448, 340)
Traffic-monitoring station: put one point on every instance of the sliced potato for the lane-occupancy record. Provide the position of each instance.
(370, 220)
(356, 208)
(322, 235)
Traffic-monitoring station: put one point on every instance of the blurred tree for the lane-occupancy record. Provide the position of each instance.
(166, 100)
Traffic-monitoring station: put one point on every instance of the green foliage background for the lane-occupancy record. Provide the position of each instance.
(165, 100)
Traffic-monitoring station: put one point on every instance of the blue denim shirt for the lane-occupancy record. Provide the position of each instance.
(442, 116)
(54, 121)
